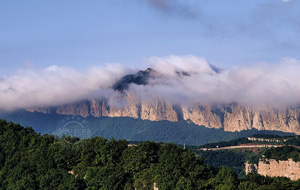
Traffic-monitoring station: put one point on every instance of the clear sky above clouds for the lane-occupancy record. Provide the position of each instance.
(80, 34)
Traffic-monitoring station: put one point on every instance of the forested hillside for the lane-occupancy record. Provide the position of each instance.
(29, 160)
(237, 157)
(182, 132)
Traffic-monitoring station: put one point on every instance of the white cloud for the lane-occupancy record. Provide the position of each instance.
(55, 85)
(258, 84)
(180, 80)
(171, 64)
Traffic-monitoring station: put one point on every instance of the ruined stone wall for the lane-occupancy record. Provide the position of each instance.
(285, 168)
(273, 168)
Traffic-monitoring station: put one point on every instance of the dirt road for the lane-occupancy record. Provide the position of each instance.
(242, 146)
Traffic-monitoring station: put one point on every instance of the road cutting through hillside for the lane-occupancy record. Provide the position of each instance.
(243, 146)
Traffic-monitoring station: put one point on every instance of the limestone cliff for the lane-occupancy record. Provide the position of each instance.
(273, 168)
(127, 103)
(232, 117)
(38, 109)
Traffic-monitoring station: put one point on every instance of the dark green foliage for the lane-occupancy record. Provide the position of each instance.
(34, 161)
(256, 181)
(248, 185)
(230, 158)
(226, 179)
(283, 153)
(293, 141)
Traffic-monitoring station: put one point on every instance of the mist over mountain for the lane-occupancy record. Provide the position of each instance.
(262, 96)
(140, 78)
(184, 80)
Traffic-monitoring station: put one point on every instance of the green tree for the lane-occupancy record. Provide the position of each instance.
(247, 185)
(184, 184)
(226, 179)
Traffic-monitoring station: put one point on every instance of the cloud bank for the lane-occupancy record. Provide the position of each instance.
(56, 85)
(182, 80)
(260, 84)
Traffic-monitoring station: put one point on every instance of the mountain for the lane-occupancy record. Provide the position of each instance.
(229, 117)
(140, 78)
(128, 115)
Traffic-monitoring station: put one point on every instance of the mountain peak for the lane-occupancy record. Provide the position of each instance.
(140, 78)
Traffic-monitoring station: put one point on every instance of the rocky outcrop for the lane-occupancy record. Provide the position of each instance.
(38, 109)
(212, 117)
(232, 117)
(273, 168)
(80, 108)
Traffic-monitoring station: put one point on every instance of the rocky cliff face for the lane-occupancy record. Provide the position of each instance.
(232, 117)
(273, 168)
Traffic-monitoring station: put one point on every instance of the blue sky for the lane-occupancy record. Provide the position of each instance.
(80, 34)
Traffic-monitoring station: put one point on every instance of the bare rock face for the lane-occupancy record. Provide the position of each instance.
(204, 115)
(258, 121)
(38, 109)
(273, 168)
(157, 111)
(80, 108)
(232, 117)
(237, 117)
(96, 108)
(123, 106)
(281, 119)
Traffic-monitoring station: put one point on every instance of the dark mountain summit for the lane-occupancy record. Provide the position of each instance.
(140, 78)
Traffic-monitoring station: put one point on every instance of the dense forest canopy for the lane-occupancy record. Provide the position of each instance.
(29, 160)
